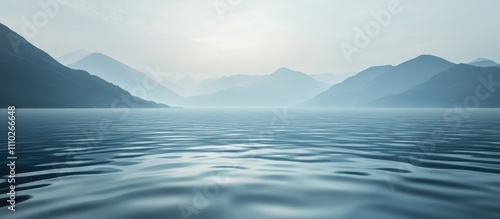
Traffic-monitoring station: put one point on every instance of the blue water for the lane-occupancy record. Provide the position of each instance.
(255, 163)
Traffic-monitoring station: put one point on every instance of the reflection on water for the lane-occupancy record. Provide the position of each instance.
(216, 164)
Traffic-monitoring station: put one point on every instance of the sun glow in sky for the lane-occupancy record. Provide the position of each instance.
(190, 37)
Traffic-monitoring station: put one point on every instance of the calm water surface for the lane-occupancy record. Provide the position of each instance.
(254, 163)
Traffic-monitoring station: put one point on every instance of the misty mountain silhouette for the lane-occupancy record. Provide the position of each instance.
(127, 78)
(331, 78)
(396, 80)
(458, 86)
(283, 87)
(72, 57)
(31, 78)
(213, 85)
(342, 94)
(481, 62)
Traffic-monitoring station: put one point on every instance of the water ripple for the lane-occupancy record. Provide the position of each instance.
(250, 164)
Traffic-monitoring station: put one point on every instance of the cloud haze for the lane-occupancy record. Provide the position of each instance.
(188, 37)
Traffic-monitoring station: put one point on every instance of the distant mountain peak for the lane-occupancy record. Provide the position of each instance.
(101, 57)
(73, 56)
(283, 69)
(98, 54)
(428, 57)
(481, 60)
(423, 60)
(286, 72)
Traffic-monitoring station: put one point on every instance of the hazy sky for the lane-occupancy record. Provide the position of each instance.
(188, 37)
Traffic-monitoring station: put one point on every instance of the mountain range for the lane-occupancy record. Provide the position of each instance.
(343, 94)
(33, 79)
(127, 78)
(460, 86)
(425, 81)
(284, 87)
(281, 88)
(386, 81)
